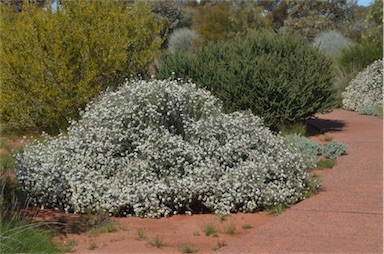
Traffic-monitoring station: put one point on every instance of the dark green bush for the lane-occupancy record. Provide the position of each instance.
(279, 78)
(359, 56)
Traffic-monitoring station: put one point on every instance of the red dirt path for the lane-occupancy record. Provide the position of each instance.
(345, 218)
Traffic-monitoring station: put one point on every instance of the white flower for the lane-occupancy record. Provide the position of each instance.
(160, 147)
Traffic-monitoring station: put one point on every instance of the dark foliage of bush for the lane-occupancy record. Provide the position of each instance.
(279, 78)
(358, 57)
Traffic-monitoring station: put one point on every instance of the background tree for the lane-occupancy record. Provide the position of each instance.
(374, 24)
(18, 4)
(218, 20)
(308, 18)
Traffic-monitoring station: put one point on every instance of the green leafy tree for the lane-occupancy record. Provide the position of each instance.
(308, 18)
(374, 24)
(54, 62)
(212, 22)
(218, 20)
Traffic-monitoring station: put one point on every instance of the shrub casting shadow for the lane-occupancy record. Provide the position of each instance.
(320, 126)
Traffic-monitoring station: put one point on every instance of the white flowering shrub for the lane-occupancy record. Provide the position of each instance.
(155, 148)
(366, 90)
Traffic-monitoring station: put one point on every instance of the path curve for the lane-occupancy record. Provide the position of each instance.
(347, 217)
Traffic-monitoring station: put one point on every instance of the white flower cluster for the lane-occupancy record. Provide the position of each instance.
(155, 148)
(366, 90)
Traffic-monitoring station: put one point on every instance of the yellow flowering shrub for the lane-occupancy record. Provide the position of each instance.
(55, 61)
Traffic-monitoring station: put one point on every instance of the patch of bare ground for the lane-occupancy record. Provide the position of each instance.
(178, 233)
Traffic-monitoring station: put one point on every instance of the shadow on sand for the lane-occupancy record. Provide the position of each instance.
(320, 126)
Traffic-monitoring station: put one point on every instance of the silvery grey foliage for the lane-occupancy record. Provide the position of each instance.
(182, 39)
(332, 42)
(310, 149)
(366, 90)
(334, 149)
(155, 148)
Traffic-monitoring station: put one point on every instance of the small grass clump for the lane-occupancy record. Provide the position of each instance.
(230, 229)
(92, 246)
(328, 138)
(222, 217)
(157, 242)
(209, 229)
(6, 162)
(187, 248)
(246, 226)
(297, 128)
(326, 163)
(276, 209)
(219, 245)
(141, 234)
(102, 228)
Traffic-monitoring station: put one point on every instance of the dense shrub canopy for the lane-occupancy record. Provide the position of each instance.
(161, 147)
(280, 79)
(54, 62)
(358, 56)
(366, 90)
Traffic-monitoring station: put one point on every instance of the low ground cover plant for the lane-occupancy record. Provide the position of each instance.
(160, 147)
(312, 150)
(334, 149)
(365, 92)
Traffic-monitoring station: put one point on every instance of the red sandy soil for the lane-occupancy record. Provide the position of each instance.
(175, 231)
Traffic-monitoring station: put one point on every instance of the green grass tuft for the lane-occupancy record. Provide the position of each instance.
(157, 242)
(230, 229)
(246, 226)
(219, 245)
(6, 163)
(141, 234)
(18, 237)
(209, 229)
(187, 248)
(326, 163)
(277, 209)
(102, 229)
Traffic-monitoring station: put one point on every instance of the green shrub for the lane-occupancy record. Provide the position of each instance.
(279, 78)
(54, 62)
(156, 148)
(334, 149)
(365, 92)
(331, 42)
(358, 57)
(182, 39)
